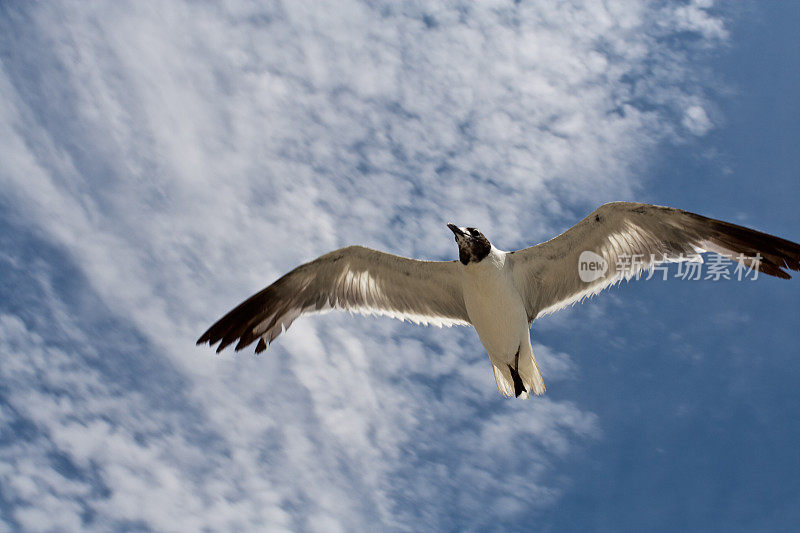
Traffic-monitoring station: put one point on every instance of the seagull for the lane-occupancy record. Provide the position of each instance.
(500, 293)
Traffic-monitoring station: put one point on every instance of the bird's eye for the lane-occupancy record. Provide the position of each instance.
(473, 232)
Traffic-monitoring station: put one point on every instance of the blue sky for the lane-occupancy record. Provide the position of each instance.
(162, 162)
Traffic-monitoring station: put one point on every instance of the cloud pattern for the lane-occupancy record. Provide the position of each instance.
(162, 161)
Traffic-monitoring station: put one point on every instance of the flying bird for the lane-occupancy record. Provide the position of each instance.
(500, 293)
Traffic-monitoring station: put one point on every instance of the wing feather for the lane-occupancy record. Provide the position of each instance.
(548, 277)
(355, 278)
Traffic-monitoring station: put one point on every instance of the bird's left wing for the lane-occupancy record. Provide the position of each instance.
(355, 278)
(624, 238)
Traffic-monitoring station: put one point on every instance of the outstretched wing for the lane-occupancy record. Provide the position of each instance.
(630, 237)
(354, 278)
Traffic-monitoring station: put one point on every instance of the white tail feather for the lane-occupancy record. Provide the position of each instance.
(529, 373)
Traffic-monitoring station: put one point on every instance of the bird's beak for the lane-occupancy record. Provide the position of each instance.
(455, 229)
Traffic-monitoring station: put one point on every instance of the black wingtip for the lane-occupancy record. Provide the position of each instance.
(261, 346)
(776, 253)
(223, 345)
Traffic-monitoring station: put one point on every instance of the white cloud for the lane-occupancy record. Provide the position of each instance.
(694, 17)
(185, 155)
(696, 120)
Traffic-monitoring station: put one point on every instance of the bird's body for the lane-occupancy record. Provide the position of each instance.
(500, 293)
(497, 312)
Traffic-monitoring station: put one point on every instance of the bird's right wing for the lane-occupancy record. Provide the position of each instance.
(355, 278)
(628, 237)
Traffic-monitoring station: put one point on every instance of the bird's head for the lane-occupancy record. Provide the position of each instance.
(473, 246)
